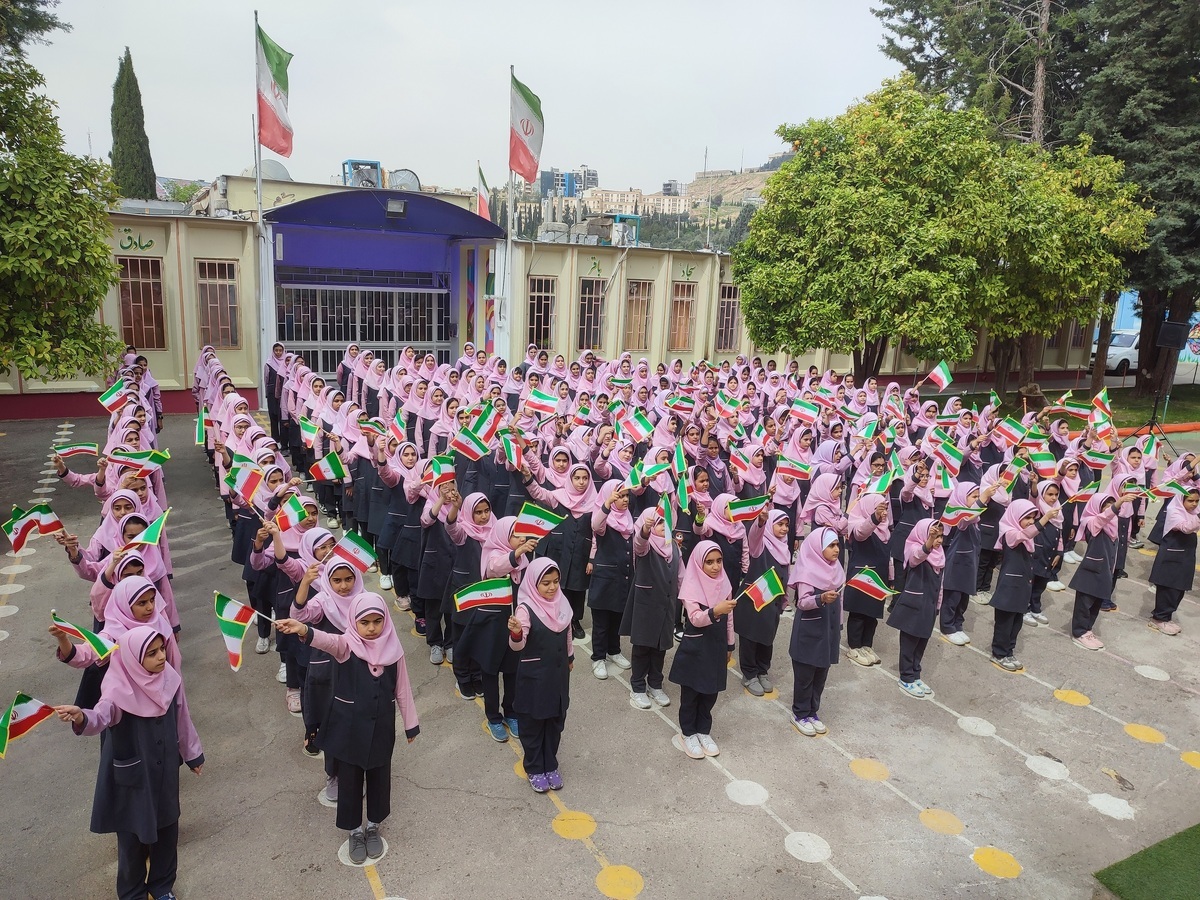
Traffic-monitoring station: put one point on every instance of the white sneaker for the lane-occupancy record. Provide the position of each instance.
(691, 746)
(331, 524)
(804, 726)
(959, 638)
(619, 660)
(281, 675)
(1056, 586)
(1031, 620)
(1042, 620)
(819, 727)
(385, 582)
(708, 745)
(1072, 557)
(640, 700)
(982, 598)
(599, 669)
(659, 696)
(262, 645)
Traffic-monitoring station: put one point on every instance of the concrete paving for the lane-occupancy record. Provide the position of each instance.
(1004, 786)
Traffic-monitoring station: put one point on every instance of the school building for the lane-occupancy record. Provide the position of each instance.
(334, 264)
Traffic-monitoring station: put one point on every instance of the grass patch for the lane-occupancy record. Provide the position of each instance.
(1128, 411)
(1168, 870)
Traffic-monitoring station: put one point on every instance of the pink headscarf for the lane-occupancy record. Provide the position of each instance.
(718, 519)
(699, 587)
(384, 650)
(578, 502)
(466, 518)
(554, 613)
(820, 496)
(664, 546)
(335, 607)
(1179, 519)
(1043, 507)
(118, 612)
(865, 509)
(109, 533)
(129, 687)
(915, 542)
(497, 544)
(1090, 522)
(1010, 523)
(620, 520)
(776, 546)
(813, 568)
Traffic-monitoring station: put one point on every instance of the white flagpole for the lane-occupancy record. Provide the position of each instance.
(504, 304)
(266, 304)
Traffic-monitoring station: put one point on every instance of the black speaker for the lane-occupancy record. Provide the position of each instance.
(1173, 335)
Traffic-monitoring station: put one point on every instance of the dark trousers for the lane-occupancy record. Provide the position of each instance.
(647, 668)
(808, 683)
(754, 659)
(350, 794)
(133, 881)
(576, 599)
(262, 605)
(988, 560)
(898, 579)
(438, 629)
(1004, 633)
(860, 630)
(466, 671)
(540, 739)
(695, 711)
(912, 649)
(1083, 618)
(1166, 601)
(1035, 596)
(400, 577)
(491, 696)
(295, 672)
(954, 611)
(606, 636)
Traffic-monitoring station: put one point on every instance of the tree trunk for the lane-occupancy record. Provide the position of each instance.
(1153, 303)
(1180, 307)
(1037, 130)
(1028, 345)
(869, 360)
(1002, 356)
(1102, 342)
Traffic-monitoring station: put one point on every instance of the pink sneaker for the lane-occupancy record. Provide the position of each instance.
(1164, 627)
(293, 701)
(1089, 641)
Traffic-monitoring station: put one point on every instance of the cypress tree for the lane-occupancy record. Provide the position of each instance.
(133, 169)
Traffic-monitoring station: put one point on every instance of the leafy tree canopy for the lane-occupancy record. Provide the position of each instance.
(27, 22)
(133, 169)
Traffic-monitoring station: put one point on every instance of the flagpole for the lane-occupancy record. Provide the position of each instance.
(509, 299)
(257, 145)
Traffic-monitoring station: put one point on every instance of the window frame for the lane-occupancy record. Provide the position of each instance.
(206, 283)
(149, 285)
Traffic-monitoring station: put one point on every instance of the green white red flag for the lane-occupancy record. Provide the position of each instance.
(726, 406)
(100, 645)
(491, 592)
(541, 403)
(955, 515)
(66, 451)
(481, 196)
(329, 468)
(747, 510)
(637, 426)
(793, 467)
(154, 531)
(526, 131)
(765, 589)
(114, 397)
(24, 522)
(469, 444)
(533, 521)
(869, 582)
(20, 718)
(308, 431)
(271, 68)
(512, 451)
(291, 513)
(244, 481)
(804, 411)
(441, 471)
(940, 375)
(233, 618)
(355, 550)
(1044, 463)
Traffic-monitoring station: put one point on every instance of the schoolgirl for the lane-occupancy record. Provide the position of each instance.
(1174, 570)
(1094, 580)
(915, 609)
(467, 531)
(442, 507)
(868, 536)
(569, 544)
(610, 567)
(1048, 553)
(650, 608)
(1014, 582)
(818, 578)
(767, 540)
(962, 563)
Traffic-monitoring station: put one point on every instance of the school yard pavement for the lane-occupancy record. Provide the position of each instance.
(1001, 786)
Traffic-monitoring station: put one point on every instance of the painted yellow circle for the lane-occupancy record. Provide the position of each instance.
(1145, 733)
(869, 769)
(573, 825)
(1073, 698)
(1148, 552)
(1192, 758)
(941, 821)
(519, 768)
(996, 862)
(619, 882)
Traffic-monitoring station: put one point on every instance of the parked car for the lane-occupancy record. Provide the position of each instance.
(1122, 353)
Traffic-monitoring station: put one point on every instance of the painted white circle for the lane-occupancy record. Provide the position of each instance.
(746, 793)
(1048, 768)
(1152, 672)
(807, 847)
(1113, 807)
(344, 855)
(3, 635)
(47, 481)
(9, 589)
(49, 472)
(16, 569)
(324, 801)
(976, 726)
(24, 551)
(872, 898)
(48, 490)
(6, 611)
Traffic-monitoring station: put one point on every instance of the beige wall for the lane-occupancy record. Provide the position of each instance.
(239, 193)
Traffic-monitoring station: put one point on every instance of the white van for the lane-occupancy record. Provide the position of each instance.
(1122, 353)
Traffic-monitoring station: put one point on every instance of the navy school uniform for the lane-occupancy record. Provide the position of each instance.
(1014, 585)
(1045, 569)
(960, 577)
(543, 693)
(913, 616)
(432, 575)
(649, 617)
(1173, 572)
(910, 513)
(756, 629)
(612, 575)
(862, 612)
(1093, 581)
(463, 573)
(813, 650)
(989, 534)
(569, 545)
(700, 669)
(409, 541)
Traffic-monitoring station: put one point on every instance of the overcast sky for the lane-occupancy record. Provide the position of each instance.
(633, 89)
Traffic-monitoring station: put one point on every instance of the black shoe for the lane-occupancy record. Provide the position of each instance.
(678, 635)
(420, 626)
(577, 631)
(477, 687)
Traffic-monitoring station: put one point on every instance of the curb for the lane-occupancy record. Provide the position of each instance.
(1173, 428)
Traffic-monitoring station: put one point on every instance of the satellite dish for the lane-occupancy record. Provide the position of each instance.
(403, 180)
(272, 170)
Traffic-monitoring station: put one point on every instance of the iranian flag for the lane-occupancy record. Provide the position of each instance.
(1102, 402)
(512, 451)
(376, 428)
(619, 383)
(654, 469)
(1083, 495)
(200, 430)
(533, 521)
(441, 471)
(848, 414)
(356, 551)
(793, 467)
(66, 451)
(679, 460)
(681, 405)
(102, 647)
(24, 522)
(329, 468)
(894, 406)
(956, 515)
(154, 532)
(1150, 448)
(308, 431)
(541, 403)
(244, 481)
(804, 411)
(637, 425)
(291, 513)
(739, 461)
(469, 444)
(271, 65)
(1102, 423)
(395, 428)
(1044, 463)
(869, 582)
(947, 421)
(950, 456)
(883, 483)
(1077, 409)
(492, 592)
(481, 195)
(1096, 459)
(234, 619)
(1008, 475)
(940, 375)
(1169, 489)
(683, 496)
(634, 479)
(1011, 431)
(526, 132)
(20, 718)
(114, 396)
(726, 406)
(487, 422)
(747, 510)
(581, 416)
(826, 398)
(667, 511)
(765, 589)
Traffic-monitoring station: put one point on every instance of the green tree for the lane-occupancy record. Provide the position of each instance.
(55, 261)
(183, 191)
(1141, 104)
(133, 169)
(27, 22)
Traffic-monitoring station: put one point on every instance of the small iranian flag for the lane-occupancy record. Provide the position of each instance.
(634, 479)
(482, 192)
(486, 423)
(804, 411)
(1077, 409)
(541, 403)
(1102, 402)
(1150, 449)
(682, 495)
(747, 510)
(533, 521)
(20, 718)
(291, 513)
(826, 398)
(765, 589)
(869, 582)
(114, 397)
(894, 406)
(308, 430)
(739, 461)
(1044, 463)
(793, 467)
(667, 511)
(654, 469)
(271, 67)
(372, 427)
(441, 471)
(102, 647)
(469, 444)
(581, 416)
(329, 468)
(1008, 475)
(24, 522)
(395, 428)
(234, 619)
(492, 592)
(679, 460)
(947, 421)
(526, 131)
(883, 483)
(1102, 423)
(66, 451)
(1083, 495)
(1169, 489)
(616, 409)
(868, 432)
(1096, 459)
(726, 406)
(619, 384)
(994, 399)
(848, 414)
(512, 451)
(154, 532)
(637, 425)
(950, 456)
(355, 550)
(200, 430)
(940, 375)
(1011, 431)
(738, 433)
(956, 515)
(244, 481)
(683, 406)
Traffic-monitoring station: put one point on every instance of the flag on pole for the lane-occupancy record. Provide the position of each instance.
(726, 406)
(1011, 431)
(441, 471)
(24, 522)
(395, 429)
(956, 515)
(533, 521)
(490, 592)
(526, 131)
(667, 511)
(154, 531)
(765, 589)
(793, 467)
(233, 619)
(486, 423)
(291, 513)
(245, 481)
(1102, 402)
(682, 495)
(99, 644)
(1169, 489)
(994, 399)
(482, 193)
(66, 451)
(747, 510)
(20, 718)
(512, 451)
(1096, 459)
(1077, 409)
(355, 550)
(1083, 495)
(940, 375)
(270, 66)
(634, 479)
(1044, 463)
(200, 426)
(114, 396)
(329, 468)
(637, 425)
(681, 405)
(804, 411)
(869, 582)
(679, 461)
(308, 431)
(739, 461)
(950, 456)
(469, 444)
(1008, 475)
(541, 403)
(1150, 448)
(883, 483)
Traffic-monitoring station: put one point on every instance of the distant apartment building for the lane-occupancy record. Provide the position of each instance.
(634, 202)
(674, 188)
(561, 183)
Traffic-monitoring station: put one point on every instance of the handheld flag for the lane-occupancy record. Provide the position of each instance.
(1096, 459)
(66, 451)
(244, 481)
(956, 515)
(793, 467)
(541, 403)
(329, 468)
(114, 397)
(1044, 463)
(469, 444)
(683, 496)
(308, 431)
(637, 425)
(747, 510)
(869, 582)
(233, 619)
(679, 461)
(940, 375)
(804, 411)
(102, 646)
(202, 421)
(667, 511)
(491, 592)
(20, 718)
(23, 522)
(533, 521)
(291, 513)
(725, 405)
(512, 451)
(356, 551)
(154, 531)
(765, 589)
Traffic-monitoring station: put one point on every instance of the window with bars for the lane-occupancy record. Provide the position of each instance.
(683, 315)
(591, 313)
(296, 314)
(541, 312)
(729, 319)
(637, 315)
(142, 318)
(217, 293)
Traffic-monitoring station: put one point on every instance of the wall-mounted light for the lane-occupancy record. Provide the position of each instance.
(397, 209)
